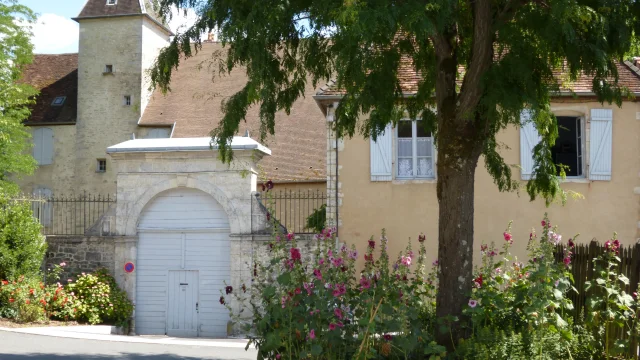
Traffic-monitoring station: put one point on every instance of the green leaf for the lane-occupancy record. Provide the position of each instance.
(284, 278)
(316, 349)
(623, 279)
(560, 322)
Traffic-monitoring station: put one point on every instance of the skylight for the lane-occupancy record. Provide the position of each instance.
(58, 101)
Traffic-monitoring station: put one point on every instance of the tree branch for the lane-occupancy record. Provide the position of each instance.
(481, 59)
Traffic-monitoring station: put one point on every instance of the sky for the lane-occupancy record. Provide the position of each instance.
(56, 33)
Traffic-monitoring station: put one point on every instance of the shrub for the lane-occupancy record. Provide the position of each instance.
(22, 247)
(98, 299)
(317, 219)
(29, 300)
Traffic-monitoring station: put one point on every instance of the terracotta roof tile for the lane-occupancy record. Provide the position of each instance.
(410, 78)
(54, 76)
(194, 104)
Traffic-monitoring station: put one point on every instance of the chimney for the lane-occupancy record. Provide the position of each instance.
(636, 61)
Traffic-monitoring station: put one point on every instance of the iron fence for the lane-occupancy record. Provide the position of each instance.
(72, 214)
(296, 210)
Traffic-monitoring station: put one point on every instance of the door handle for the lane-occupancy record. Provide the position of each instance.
(197, 307)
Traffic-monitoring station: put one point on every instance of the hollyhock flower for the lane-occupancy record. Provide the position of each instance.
(544, 223)
(298, 291)
(353, 255)
(364, 283)
(478, 281)
(327, 286)
(400, 294)
(635, 295)
(387, 337)
(295, 254)
(221, 300)
(571, 244)
(283, 301)
(321, 261)
(372, 244)
(268, 216)
(483, 248)
(405, 260)
(339, 289)
(338, 313)
(308, 287)
(63, 264)
(368, 257)
(337, 262)
(492, 253)
(312, 334)
(555, 284)
(343, 249)
(498, 270)
(69, 280)
(507, 237)
(290, 236)
(228, 289)
(269, 185)
(567, 260)
(317, 274)
(435, 262)
(339, 324)
(278, 356)
(332, 326)
(422, 238)
(473, 303)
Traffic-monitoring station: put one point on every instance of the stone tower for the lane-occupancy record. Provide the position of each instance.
(119, 42)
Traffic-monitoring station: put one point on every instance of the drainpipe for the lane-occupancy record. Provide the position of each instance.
(337, 179)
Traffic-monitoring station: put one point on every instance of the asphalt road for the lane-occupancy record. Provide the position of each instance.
(16, 346)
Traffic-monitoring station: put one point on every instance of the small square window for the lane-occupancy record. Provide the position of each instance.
(127, 100)
(112, 2)
(102, 165)
(58, 101)
(108, 69)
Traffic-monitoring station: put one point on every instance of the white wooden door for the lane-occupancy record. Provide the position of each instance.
(182, 307)
(182, 229)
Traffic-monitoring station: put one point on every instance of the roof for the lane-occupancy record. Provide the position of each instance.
(99, 9)
(54, 76)
(194, 104)
(410, 78)
(184, 144)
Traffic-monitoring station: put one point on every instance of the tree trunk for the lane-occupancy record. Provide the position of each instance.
(457, 161)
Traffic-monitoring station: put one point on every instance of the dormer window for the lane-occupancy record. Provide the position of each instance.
(58, 101)
(108, 69)
(112, 2)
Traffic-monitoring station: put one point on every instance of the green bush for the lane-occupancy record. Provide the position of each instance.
(22, 247)
(316, 221)
(98, 299)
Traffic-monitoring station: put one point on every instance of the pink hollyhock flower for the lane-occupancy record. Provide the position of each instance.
(312, 334)
(544, 223)
(308, 287)
(321, 261)
(278, 356)
(567, 260)
(338, 313)
(329, 253)
(364, 283)
(339, 324)
(337, 262)
(283, 301)
(635, 295)
(435, 262)
(332, 326)
(353, 255)
(298, 291)
(405, 260)
(473, 303)
(507, 237)
(317, 274)
(290, 236)
(343, 249)
(63, 264)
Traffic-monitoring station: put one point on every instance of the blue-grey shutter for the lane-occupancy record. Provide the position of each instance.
(382, 155)
(528, 139)
(43, 146)
(601, 144)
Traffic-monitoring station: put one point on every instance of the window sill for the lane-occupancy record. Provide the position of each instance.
(576, 180)
(414, 181)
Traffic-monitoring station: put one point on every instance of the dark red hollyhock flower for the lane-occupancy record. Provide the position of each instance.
(295, 254)
(368, 257)
(387, 337)
(404, 278)
(478, 280)
(228, 290)
(244, 288)
(269, 185)
(268, 216)
(344, 268)
(372, 244)
(263, 187)
(255, 269)
(422, 238)
(571, 244)
(270, 246)
(222, 300)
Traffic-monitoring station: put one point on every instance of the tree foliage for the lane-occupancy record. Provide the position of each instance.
(16, 52)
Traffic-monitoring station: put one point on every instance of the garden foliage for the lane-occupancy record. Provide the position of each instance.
(318, 305)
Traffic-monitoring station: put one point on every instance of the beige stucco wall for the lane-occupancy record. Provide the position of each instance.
(59, 175)
(408, 208)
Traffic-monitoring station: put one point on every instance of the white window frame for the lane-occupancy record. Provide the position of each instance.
(127, 100)
(112, 2)
(414, 151)
(583, 148)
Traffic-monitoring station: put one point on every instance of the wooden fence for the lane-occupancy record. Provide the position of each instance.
(583, 267)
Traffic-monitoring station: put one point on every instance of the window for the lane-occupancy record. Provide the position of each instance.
(108, 69)
(112, 2)
(568, 148)
(58, 101)
(414, 151)
(127, 100)
(43, 146)
(159, 133)
(101, 165)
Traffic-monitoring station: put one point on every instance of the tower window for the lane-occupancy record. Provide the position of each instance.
(127, 100)
(101, 165)
(108, 69)
(112, 2)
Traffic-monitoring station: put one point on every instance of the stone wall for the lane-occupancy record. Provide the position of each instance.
(81, 253)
